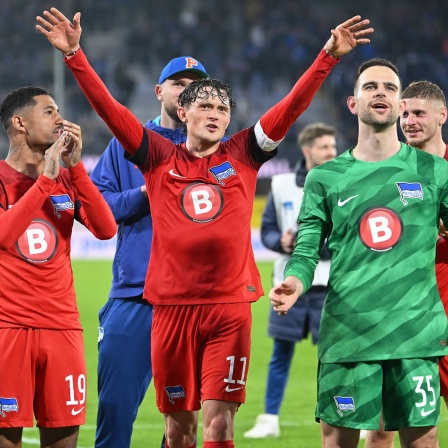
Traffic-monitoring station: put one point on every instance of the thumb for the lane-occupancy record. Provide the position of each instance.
(77, 20)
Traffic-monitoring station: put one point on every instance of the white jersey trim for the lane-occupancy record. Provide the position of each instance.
(264, 142)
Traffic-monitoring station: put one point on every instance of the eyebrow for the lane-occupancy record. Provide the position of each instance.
(376, 83)
(50, 107)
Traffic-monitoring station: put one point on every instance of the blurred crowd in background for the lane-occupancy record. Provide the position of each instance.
(259, 47)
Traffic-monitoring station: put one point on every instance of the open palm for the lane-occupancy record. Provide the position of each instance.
(60, 32)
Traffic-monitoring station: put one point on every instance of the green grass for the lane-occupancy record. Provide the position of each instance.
(298, 429)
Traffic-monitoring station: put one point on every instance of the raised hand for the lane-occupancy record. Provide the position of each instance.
(71, 151)
(347, 36)
(51, 169)
(284, 295)
(62, 34)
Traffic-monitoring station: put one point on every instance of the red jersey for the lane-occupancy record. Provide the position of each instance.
(201, 207)
(442, 264)
(201, 210)
(36, 219)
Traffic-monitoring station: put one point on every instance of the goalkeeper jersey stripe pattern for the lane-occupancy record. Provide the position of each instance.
(381, 219)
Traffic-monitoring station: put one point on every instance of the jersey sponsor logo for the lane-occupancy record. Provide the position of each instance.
(341, 203)
(8, 405)
(38, 243)
(175, 392)
(409, 190)
(77, 411)
(222, 172)
(61, 203)
(380, 229)
(344, 404)
(233, 389)
(202, 202)
(173, 173)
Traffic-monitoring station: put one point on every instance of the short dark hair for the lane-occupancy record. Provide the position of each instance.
(18, 99)
(424, 90)
(312, 131)
(373, 63)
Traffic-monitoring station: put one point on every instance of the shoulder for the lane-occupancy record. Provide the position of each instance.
(333, 168)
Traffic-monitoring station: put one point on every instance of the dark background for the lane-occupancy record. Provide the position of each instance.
(259, 47)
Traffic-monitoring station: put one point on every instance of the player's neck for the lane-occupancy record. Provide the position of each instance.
(167, 122)
(25, 160)
(199, 147)
(376, 146)
(435, 146)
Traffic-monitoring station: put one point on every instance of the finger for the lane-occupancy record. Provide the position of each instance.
(362, 41)
(77, 20)
(350, 22)
(51, 18)
(362, 33)
(58, 14)
(73, 127)
(359, 25)
(44, 22)
(57, 145)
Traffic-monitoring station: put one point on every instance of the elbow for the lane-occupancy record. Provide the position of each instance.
(108, 233)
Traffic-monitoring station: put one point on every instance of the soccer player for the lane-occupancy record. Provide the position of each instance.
(43, 374)
(278, 233)
(424, 115)
(383, 325)
(202, 274)
(125, 320)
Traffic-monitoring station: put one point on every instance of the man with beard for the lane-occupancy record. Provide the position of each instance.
(383, 326)
(421, 122)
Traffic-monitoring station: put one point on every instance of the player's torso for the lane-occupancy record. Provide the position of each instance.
(201, 209)
(384, 229)
(44, 287)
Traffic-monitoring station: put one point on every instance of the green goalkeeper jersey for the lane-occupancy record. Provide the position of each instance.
(381, 220)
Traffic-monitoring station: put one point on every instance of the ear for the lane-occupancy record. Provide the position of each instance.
(306, 151)
(402, 107)
(351, 104)
(443, 116)
(182, 114)
(158, 90)
(17, 123)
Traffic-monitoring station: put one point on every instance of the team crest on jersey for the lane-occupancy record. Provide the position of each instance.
(344, 404)
(222, 172)
(8, 405)
(175, 392)
(61, 203)
(409, 190)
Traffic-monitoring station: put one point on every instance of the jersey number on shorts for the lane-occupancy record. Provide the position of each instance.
(419, 390)
(81, 388)
(230, 379)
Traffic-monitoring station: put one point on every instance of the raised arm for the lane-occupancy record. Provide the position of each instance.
(65, 37)
(275, 123)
